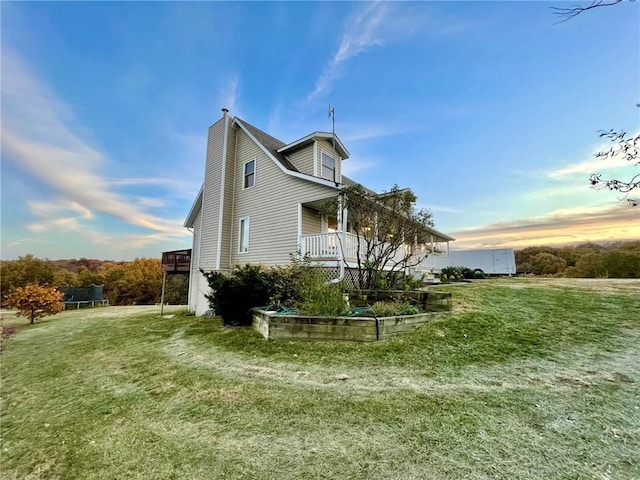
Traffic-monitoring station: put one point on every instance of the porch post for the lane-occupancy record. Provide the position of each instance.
(300, 229)
(164, 281)
(340, 234)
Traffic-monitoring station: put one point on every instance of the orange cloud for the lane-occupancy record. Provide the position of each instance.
(616, 222)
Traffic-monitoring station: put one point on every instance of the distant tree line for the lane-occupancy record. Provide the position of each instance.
(589, 260)
(138, 282)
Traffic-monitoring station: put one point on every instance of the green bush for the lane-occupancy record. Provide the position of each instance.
(450, 274)
(301, 285)
(455, 274)
(317, 296)
(232, 297)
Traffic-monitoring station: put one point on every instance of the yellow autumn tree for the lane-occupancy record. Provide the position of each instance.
(35, 301)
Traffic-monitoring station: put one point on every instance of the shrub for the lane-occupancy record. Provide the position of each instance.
(313, 294)
(301, 285)
(232, 297)
(450, 274)
(321, 298)
(390, 309)
(454, 274)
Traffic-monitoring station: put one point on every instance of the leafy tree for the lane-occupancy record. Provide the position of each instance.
(388, 230)
(177, 289)
(86, 277)
(547, 264)
(64, 278)
(525, 257)
(24, 271)
(35, 301)
(140, 283)
(621, 264)
(589, 265)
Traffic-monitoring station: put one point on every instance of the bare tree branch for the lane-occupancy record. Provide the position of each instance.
(629, 149)
(567, 13)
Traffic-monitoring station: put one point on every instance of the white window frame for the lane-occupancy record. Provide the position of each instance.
(335, 166)
(243, 234)
(245, 175)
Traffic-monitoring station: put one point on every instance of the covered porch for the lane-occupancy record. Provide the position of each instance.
(344, 246)
(324, 237)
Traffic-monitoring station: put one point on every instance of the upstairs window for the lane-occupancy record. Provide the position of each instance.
(328, 167)
(249, 174)
(243, 235)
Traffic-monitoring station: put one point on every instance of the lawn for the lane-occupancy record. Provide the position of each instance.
(523, 379)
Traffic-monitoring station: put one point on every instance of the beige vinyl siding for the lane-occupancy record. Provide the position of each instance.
(327, 147)
(311, 221)
(211, 196)
(227, 219)
(272, 207)
(303, 159)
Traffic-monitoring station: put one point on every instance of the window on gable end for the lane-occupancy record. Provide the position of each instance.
(328, 167)
(249, 174)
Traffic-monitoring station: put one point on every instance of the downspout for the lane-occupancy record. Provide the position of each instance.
(193, 243)
(299, 248)
(340, 234)
(233, 196)
(222, 185)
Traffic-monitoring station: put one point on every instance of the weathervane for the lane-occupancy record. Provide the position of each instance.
(332, 114)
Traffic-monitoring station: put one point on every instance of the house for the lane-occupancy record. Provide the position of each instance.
(262, 200)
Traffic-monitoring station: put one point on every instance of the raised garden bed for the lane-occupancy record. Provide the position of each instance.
(291, 326)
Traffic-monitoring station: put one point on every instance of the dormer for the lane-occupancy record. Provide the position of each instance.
(319, 154)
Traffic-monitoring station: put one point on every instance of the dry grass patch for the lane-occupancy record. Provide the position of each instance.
(532, 382)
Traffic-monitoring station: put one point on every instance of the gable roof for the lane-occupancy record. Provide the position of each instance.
(195, 208)
(272, 144)
(270, 147)
(340, 148)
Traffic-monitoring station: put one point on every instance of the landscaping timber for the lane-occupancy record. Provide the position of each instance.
(272, 325)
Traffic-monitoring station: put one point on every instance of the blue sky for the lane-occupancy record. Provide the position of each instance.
(488, 111)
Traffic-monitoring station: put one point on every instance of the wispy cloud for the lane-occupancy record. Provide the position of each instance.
(40, 136)
(360, 33)
(354, 133)
(611, 222)
(351, 166)
(593, 165)
(61, 215)
(377, 24)
(442, 209)
(564, 190)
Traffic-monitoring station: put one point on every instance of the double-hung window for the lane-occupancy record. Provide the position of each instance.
(243, 235)
(249, 174)
(328, 167)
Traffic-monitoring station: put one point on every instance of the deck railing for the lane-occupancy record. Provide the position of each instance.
(176, 261)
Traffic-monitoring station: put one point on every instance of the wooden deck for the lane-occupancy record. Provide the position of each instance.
(176, 261)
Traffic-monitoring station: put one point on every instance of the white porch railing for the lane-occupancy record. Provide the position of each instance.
(327, 246)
